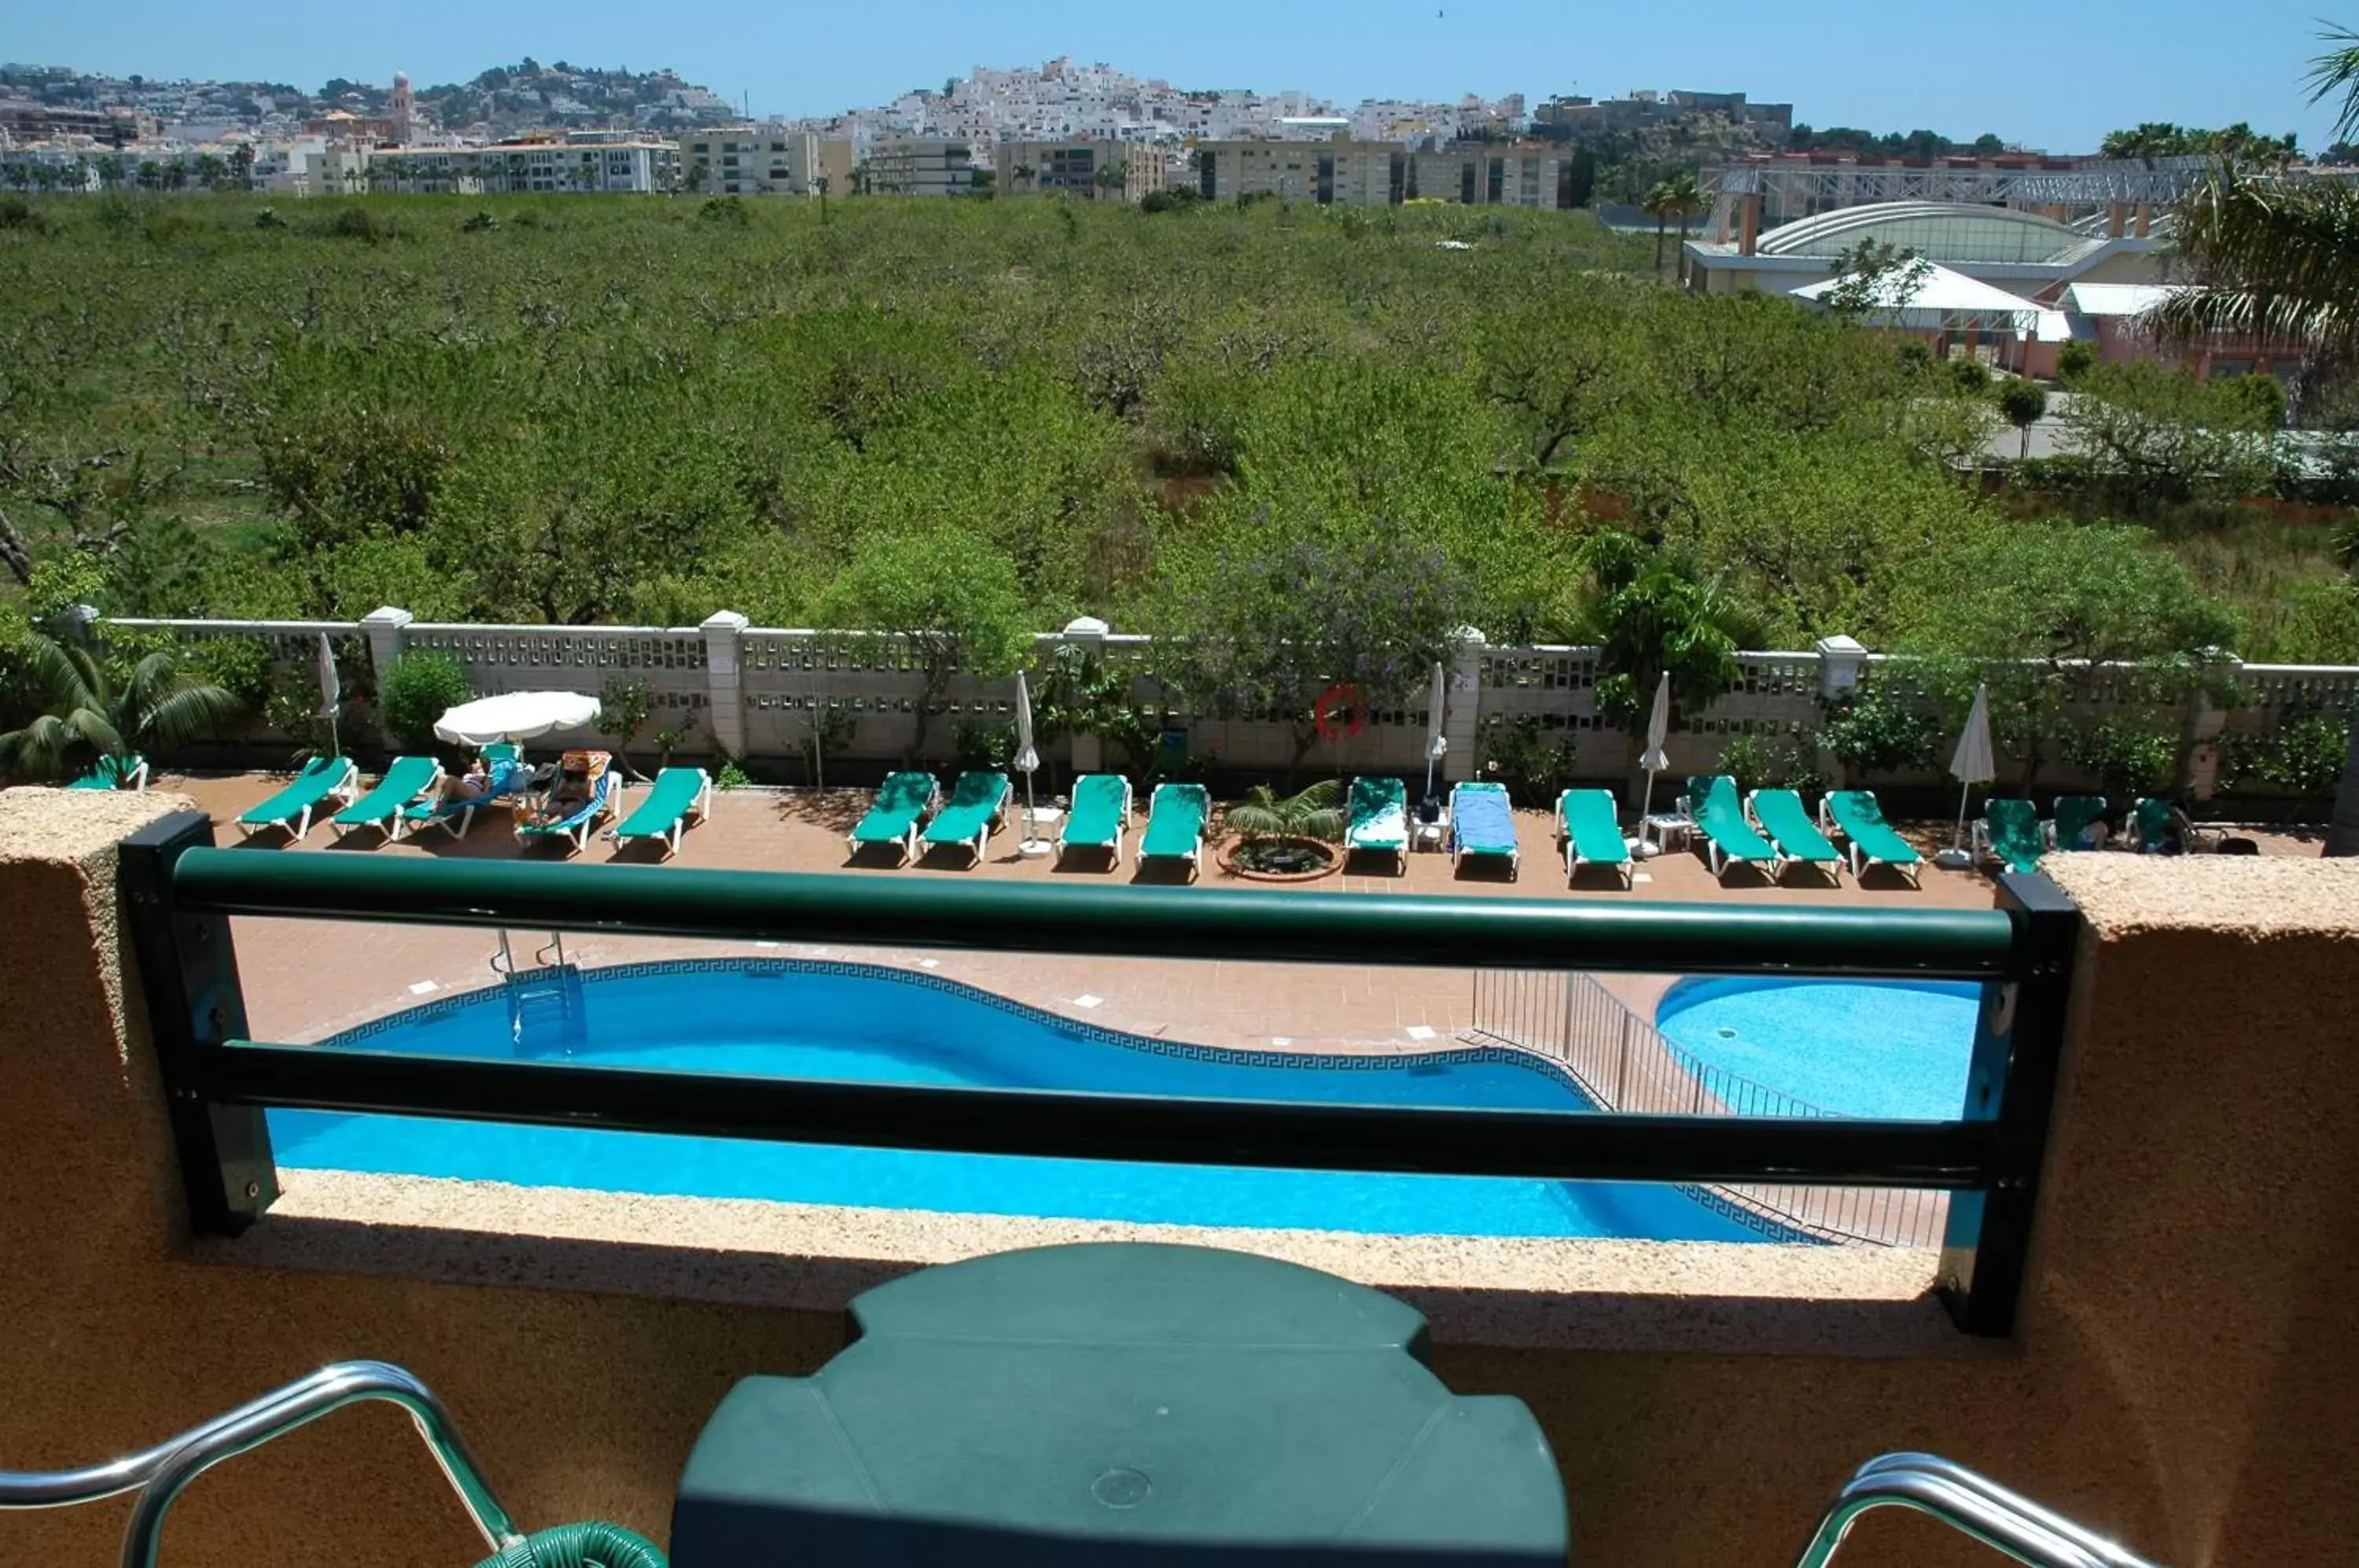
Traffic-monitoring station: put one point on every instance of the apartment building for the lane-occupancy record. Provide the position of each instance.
(1338, 172)
(920, 166)
(1490, 174)
(641, 167)
(1079, 168)
(756, 160)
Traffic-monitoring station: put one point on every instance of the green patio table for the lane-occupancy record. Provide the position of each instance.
(1121, 1403)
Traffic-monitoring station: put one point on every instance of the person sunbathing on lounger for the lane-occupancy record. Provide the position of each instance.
(568, 796)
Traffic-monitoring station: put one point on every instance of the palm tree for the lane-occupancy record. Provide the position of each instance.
(2279, 258)
(1684, 198)
(819, 183)
(91, 719)
(1657, 205)
(1315, 812)
(1023, 173)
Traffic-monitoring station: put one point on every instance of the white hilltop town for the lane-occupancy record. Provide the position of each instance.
(1091, 131)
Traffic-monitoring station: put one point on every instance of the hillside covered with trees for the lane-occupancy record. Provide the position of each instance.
(577, 410)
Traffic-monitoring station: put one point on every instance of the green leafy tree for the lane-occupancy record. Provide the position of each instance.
(2051, 618)
(2024, 402)
(95, 714)
(951, 597)
(1266, 629)
(417, 690)
(2156, 439)
(624, 709)
(1875, 280)
(1653, 611)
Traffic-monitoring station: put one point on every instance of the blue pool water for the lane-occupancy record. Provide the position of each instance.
(784, 1018)
(1855, 1048)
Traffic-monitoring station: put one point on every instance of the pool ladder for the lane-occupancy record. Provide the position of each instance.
(1974, 1505)
(1969, 1503)
(504, 957)
(546, 1008)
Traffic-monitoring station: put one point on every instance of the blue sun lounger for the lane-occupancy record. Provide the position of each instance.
(1483, 826)
(574, 829)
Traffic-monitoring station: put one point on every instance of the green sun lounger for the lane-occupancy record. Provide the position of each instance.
(1728, 839)
(2010, 829)
(892, 818)
(1868, 839)
(2071, 819)
(1379, 820)
(1591, 828)
(1176, 814)
(977, 800)
(1483, 826)
(114, 773)
(324, 778)
(1785, 823)
(410, 781)
(681, 796)
(1101, 811)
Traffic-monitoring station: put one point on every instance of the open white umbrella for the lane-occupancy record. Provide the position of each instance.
(332, 694)
(1971, 764)
(1437, 744)
(1027, 759)
(515, 715)
(1654, 760)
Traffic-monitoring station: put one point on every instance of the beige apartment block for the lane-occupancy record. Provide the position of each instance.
(1337, 173)
(1084, 168)
(919, 166)
(513, 168)
(1490, 175)
(756, 160)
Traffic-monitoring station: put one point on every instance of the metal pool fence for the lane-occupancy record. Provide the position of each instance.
(1625, 1065)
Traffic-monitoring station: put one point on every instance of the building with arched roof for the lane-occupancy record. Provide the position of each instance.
(2027, 252)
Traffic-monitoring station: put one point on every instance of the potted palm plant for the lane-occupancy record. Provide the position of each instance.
(1286, 836)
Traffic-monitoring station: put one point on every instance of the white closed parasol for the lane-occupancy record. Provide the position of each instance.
(515, 716)
(1028, 761)
(1971, 764)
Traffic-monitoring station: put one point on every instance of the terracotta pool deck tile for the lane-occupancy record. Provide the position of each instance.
(307, 979)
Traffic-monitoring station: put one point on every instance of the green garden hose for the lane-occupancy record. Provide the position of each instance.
(589, 1545)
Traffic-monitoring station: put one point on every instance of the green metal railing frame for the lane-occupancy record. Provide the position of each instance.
(181, 893)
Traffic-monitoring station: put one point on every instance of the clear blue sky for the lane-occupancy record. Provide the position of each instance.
(2051, 75)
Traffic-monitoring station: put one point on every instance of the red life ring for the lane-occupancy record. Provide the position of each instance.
(1355, 717)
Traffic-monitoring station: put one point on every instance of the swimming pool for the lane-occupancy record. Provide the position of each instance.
(785, 1018)
(1857, 1048)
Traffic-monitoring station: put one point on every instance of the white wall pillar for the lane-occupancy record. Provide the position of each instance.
(383, 627)
(1461, 722)
(2207, 721)
(1841, 660)
(724, 687)
(1088, 634)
